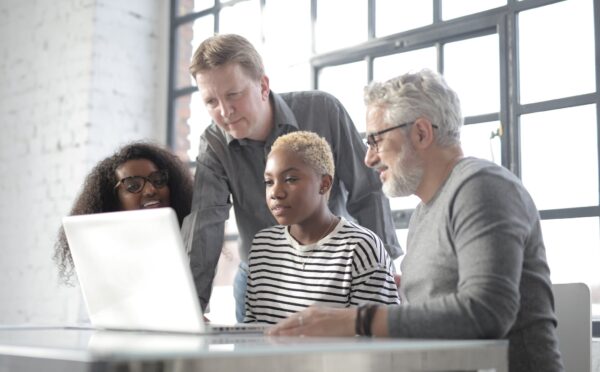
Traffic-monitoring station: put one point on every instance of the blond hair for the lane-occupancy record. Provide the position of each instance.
(313, 149)
(220, 50)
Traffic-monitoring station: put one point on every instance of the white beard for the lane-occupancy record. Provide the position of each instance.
(405, 175)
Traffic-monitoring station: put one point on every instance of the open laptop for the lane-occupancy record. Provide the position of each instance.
(135, 275)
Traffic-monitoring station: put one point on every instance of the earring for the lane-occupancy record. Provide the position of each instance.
(322, 191)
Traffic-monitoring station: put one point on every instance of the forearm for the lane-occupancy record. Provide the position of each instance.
(205, 249)
(204, 228)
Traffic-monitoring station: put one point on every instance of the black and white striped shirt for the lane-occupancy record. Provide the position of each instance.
(348, 267)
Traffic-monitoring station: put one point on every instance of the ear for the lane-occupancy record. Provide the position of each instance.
(264, 87)
(422, 133)
(326, 182)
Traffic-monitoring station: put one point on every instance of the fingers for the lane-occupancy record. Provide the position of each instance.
(316, 321)
(295, 325)
(397, 280)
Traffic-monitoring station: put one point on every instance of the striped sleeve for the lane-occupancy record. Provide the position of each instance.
(372, 274)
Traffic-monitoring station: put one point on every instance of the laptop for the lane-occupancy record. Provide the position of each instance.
(135, 275)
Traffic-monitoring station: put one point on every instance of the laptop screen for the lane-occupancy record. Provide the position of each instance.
(133, 270)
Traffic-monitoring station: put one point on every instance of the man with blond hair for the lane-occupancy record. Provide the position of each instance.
(247, 118)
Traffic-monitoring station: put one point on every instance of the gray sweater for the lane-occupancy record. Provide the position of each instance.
(476, 268)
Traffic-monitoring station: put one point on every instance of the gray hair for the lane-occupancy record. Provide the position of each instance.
(421, 94)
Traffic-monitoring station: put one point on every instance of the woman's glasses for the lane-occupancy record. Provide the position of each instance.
(135, 184)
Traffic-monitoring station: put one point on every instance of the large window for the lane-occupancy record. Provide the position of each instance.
(526, 73)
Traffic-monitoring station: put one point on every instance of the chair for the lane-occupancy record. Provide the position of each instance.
(572, 305)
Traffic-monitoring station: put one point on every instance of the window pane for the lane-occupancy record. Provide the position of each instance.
(189, 6)
(291, 77)
(286, 54)
(405, 202)
(189, 37)
(191, 119)
(556, 51)
(573, 251)
(387, 67)
(559, 157)
(203, 28)
(476, 80)
(347, 83)
(181, 129)
(402, 235)
(340, 23)
(482, 141)
(243, 19)
(393, 16)
(458, 8)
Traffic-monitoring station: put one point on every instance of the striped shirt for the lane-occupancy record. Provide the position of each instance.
(348, 267)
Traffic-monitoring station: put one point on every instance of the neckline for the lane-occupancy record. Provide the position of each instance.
(331, 229)
(449, 175)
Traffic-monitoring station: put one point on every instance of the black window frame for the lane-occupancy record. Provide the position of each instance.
(501, 20)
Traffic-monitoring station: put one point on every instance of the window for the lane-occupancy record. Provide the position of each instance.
(335, 80)
(529, 93)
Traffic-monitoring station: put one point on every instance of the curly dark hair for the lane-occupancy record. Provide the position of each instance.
(98, 195)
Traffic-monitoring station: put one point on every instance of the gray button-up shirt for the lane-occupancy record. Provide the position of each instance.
(230, 172)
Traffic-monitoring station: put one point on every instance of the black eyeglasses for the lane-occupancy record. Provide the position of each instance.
(135, 184)
(372, 142)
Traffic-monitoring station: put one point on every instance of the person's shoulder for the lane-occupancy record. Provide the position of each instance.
(358, 232)
(471, 167)
(212, 140)
(271, 232)
(310, 96)
(364, 241)
(478, 178)
(213, 134)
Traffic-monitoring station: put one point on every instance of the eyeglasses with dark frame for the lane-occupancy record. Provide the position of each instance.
(135, 184)
(372, 142)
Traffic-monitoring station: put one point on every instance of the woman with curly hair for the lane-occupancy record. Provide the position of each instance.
(139, 175)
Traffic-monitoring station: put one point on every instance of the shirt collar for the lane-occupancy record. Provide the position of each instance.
(284, 121)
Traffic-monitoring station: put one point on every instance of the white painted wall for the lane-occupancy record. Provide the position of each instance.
(78, 78)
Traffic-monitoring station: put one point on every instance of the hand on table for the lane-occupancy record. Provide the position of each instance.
(317, 321)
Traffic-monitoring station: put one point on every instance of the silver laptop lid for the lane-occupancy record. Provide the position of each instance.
(133, 270)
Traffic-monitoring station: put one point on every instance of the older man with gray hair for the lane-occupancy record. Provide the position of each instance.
(476, 263)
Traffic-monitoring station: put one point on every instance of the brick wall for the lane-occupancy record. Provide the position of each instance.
(77, 79)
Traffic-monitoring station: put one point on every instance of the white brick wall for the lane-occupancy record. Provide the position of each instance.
(77, 79)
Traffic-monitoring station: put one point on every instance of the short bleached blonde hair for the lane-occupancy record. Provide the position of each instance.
(313, 149)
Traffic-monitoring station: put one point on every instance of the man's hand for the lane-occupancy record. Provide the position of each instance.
(397, 279)
(317, 321)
